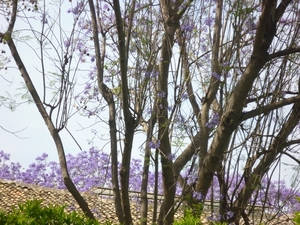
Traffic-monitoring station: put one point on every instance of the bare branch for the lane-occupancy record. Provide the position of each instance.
(292, 157)
(268, 108)
(293, 142)
(13, 17)
(14, 132)
(283, 53)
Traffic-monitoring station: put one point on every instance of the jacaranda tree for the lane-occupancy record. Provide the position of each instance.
(211, 87)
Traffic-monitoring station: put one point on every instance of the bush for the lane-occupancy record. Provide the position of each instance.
(297, 214)
(188, 219)
(32, 213)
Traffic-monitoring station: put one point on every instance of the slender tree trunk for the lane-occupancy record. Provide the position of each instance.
(155, 193)
(130, 123)
(171, 15)
(114, 162)
(109, 98)
(163, 123)
(65, 174)
(213, 86)
(53, 131)
(124, 176)
(144, 189)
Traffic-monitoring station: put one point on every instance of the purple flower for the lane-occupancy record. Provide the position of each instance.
(225, 64)
(4, 156)
(209, 21)
(214, 217)
(87, 88)
(152, 74)
(44, 18)
(229, 214)
(42, 157)
(106, 79)
(93, 58)
(80, 46)
(204, 48)
(198, 196)
(250, 24)
(161, 94)
(171, 156)
(154, 144)
(187, 26)
(180, 119)
(105, 7)
(217, 76)
(147, 74)
(213, 121)
(184, 96)
(67, 43)
(78, 8)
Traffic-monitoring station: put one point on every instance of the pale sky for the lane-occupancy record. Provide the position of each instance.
(33, 136)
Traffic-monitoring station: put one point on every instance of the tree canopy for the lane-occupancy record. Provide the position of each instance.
(209, 88)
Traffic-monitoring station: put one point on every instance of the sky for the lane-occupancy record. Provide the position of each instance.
(23, 133)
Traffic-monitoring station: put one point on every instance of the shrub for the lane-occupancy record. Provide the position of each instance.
(297, 214)
(32, 213)
(188, 219)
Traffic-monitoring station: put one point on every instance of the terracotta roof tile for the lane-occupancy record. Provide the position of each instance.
(12, 193)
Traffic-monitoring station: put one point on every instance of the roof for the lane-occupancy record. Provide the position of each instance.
(99, 200)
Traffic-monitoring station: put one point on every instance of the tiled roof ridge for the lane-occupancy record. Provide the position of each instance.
(14, 192)
(35, 186)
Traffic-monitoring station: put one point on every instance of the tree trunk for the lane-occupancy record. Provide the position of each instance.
(53, 131)
(163, 131)
(109, 98)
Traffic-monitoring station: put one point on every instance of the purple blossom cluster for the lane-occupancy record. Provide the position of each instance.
(151, 74)
(92, 169)
(161, 94)
(88, 169)
(215, 75)
(215, 119)
(154, 144)
(77, 9)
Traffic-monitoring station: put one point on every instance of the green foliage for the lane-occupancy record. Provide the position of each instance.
(297, 214)
(218, 223)
(32, 213)
(189, 219)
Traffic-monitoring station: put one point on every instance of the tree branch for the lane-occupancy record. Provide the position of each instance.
(294, 142)
(283, 53)
(292, 157)
(13, 17)
(270, 107)
(109, 98)
(261, 28)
